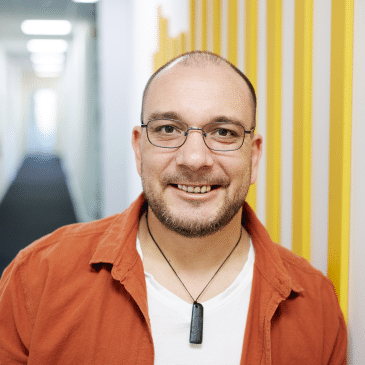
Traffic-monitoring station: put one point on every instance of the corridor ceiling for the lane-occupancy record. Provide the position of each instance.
(13, 12)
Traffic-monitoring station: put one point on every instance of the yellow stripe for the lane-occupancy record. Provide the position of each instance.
(232, 31)
(204, 25)
(178, 45)
(251, 21)
(163, 39)
(170, 47)
(183, 42)
(251, 60)
(156, 60)
(303, 45)
(192, 25)
(217, 26)
(198, 24)
(340, 147)
(187, 40)
(273, 125)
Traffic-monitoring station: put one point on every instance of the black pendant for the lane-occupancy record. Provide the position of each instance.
(196, 327)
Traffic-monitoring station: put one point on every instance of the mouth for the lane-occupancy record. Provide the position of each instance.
(196, 189)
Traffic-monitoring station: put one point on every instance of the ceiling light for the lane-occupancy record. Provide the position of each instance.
(47, 46)
(46, 27)
(48, 68)
(48, 58)
(47, 74)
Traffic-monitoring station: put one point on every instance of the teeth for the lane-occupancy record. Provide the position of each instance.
(197, 189)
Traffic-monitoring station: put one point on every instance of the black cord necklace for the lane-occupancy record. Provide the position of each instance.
(196, 326)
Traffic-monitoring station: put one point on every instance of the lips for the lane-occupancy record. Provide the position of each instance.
(195, 189)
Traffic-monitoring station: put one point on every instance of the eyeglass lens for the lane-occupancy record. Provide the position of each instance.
(219, 136)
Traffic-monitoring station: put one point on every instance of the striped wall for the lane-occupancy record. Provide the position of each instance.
(299, 56)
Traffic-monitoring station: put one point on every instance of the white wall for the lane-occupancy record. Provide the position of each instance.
(116, 84)
(320, 132)
(3, 121)
(356, 312)
(127, 41)
(144, 46)
(12, 119)
(78, 139)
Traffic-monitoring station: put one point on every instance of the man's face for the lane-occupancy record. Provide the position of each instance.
(197, 96)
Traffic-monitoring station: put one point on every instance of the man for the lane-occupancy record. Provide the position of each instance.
(187, 274)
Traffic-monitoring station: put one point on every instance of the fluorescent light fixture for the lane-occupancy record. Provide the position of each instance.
(47, 45)
(85, 1)
(46, 27)
(47, 74)
(48, 68)
(47, 58)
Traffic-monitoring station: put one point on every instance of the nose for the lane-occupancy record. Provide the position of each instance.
(194, 154)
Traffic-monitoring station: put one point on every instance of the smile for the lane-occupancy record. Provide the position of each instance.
(195, 189)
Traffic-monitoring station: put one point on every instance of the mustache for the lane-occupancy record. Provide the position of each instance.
(195, 179)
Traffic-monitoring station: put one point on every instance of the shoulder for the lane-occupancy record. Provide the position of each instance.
(300, 270)
(67, 241)
(316, 308)
(318, 293)
(58, 257)
(71, 248)
(295, 263)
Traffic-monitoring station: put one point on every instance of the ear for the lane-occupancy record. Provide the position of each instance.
(136, 144)
(256, 153)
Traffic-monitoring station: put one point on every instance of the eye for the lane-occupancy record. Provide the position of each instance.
(165, 128)
(168, 129)
(224, 133)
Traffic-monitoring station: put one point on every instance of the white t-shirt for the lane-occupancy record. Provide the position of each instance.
(224, 322)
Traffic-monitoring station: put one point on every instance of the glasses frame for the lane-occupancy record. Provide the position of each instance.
(186, 133)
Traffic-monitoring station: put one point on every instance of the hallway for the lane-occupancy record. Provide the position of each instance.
(37, 203)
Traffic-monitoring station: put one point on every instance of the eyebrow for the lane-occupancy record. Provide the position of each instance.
(175, 116)
(165, 115)
(223, 119)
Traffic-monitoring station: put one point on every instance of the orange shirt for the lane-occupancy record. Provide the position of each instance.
(78, 296)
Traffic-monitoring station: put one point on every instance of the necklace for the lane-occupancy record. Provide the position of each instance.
(196, 325)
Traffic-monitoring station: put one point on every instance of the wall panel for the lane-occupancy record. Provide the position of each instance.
(302, 127)
(320, 139)
(285, 48)
(340, 147)
(273, 116)
(356, 312)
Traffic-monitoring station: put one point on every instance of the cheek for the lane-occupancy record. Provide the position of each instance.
(239, 174)
(153, 164)
(238, 167)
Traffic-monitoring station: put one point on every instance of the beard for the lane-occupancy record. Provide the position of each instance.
(194, 228)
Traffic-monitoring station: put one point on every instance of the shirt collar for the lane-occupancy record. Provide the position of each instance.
(267, 258)
(118, 244)
(118, 247)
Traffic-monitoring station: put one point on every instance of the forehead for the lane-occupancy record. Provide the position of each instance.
(200, 92)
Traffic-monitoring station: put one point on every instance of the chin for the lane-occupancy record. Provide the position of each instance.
(195, 223)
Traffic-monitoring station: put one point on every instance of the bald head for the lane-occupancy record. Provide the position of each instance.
(197, 59)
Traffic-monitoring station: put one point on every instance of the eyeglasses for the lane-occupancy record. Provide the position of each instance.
(218, 136)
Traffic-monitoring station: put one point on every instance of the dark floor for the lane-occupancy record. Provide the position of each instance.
(37, 203)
